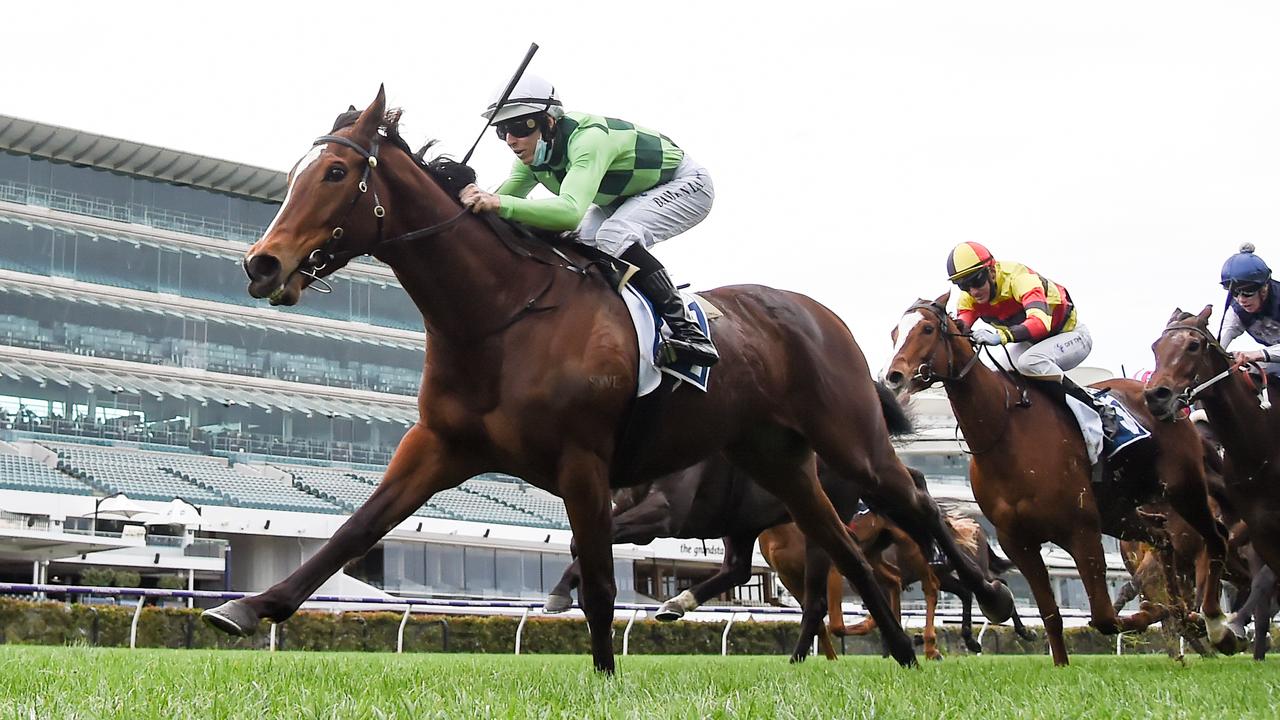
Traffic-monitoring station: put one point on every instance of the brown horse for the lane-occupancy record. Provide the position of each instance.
(531, 370)
(1031, 476)
(783, 547)
(1190, 363)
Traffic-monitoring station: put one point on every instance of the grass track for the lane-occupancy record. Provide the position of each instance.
(44, 682)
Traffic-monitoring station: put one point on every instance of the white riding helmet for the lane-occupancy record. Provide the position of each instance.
(530, 95)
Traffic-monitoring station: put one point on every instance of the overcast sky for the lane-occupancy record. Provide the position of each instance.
(1123, 149)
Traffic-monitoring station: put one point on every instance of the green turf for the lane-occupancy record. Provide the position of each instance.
(43, 682)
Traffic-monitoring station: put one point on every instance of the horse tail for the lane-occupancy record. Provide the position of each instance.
(895, 416)
(965, 532)
(997, 564)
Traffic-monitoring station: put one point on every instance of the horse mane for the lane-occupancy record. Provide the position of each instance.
(451, 175)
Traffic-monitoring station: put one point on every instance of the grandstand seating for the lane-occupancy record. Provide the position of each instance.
(18, 472)
(252, 491)
(132, 472)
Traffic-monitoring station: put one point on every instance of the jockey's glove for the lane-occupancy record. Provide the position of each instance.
(986, 336)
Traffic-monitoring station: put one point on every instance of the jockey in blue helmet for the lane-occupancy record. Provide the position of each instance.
(1253, 307)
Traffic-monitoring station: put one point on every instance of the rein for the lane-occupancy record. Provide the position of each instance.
(925, 373)
(321, 258)
(1189, 393)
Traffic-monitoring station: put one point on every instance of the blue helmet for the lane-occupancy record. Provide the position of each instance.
(1245, 268)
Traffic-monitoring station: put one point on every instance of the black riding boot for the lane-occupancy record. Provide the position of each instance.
(687, 341)
(1105, 412)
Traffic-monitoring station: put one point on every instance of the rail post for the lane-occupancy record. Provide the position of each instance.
(626, 634)
(133, 626)
(520, 628)
(724, 638)
(400, 632)
(273, 637)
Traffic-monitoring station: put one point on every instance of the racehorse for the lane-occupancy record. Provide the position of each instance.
(899, 563)
(531, 369)
(1191, 364)
(1031, 475)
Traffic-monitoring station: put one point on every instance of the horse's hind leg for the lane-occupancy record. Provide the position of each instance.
(835, 603)
(781, 465)
(784, 549)
(421, 467)
(900, 492)
(735, 570)
(929, 583)
(1189, 498)
(1029, 562)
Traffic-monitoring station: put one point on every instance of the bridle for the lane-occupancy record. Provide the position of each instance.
(1188, 395)
(926, 373)
(321, 258)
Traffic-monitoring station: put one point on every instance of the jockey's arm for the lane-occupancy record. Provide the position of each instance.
(520, 183)
(589, 159)
(1232, 328)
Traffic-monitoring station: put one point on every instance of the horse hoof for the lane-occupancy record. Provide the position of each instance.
(234, 618)
(999, 606)
(556, 604)
(1230, 643)
(670, 612)
(936, 657)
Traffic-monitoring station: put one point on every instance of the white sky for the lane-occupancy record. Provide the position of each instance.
(1121, 149)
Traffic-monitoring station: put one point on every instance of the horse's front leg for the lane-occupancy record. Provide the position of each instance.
(421, 467)
(583, 481)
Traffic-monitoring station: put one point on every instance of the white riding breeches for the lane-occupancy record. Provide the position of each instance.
(1048, 359)
(659, 213)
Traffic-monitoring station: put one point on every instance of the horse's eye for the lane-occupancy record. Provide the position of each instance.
(1193, 346)
(926, 329)
(335, 174)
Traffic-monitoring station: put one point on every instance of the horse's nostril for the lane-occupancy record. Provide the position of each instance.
(1160, 393)
(894, 378)
(261, 267)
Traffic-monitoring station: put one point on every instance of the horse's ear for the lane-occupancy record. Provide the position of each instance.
(351, 108)
(1203, 317)
(371, 118)
(944, 298)
(1178, 314)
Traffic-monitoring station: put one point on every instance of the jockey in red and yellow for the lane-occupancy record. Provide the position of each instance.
(1030, 315)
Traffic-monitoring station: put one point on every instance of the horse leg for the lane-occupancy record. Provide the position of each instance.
(1085, 549)
(817, 572)
(900, 492)
(735, 570)
(835, 604)
(1262, 612)
(560, 598)
(1127, 592)
(1188, 496)
(784, 548)
(639, 524)
(583, 482)
(887, 575)
(774, 462)
(1029, 562)
(421, 467)
(929, 583)
(966, 619)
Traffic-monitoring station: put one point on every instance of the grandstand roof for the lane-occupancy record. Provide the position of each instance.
(204, 386)
(76, 146)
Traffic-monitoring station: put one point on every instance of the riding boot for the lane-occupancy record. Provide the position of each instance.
(1106, 414)
(687, 341)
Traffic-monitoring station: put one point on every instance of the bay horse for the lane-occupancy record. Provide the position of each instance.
(531, 370)
(898, 563)
(1191, 364)
(1031, 475)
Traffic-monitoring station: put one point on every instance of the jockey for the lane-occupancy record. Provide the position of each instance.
(622, 187)
(1253, 307)
(1030, 315)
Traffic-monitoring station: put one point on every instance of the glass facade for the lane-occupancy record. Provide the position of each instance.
(119, 262)
(115, 196)
(134, 335)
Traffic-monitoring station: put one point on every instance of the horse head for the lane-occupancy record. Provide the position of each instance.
(1186, 355)
(928, 347)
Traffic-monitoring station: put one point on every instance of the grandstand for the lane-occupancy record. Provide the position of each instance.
(133, 363)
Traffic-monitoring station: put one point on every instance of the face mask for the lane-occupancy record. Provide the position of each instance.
(541, 153)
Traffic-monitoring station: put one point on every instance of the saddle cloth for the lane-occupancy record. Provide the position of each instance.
(1128, 429)
(650, 328)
